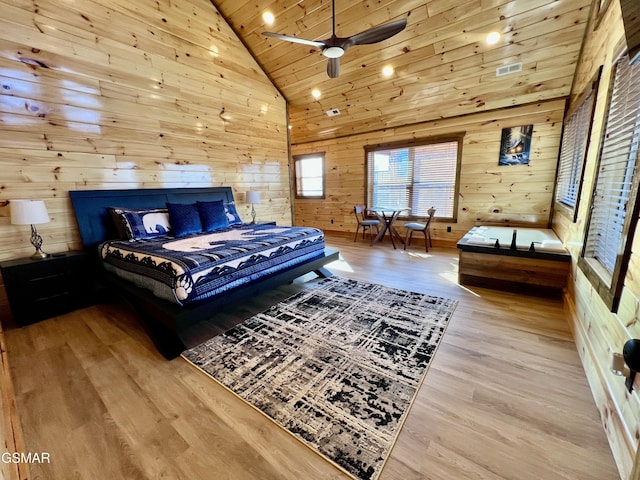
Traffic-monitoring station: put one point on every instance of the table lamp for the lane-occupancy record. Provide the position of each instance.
(30, 212)
(253, 198)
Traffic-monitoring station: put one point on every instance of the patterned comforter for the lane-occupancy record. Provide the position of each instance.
(195, 267)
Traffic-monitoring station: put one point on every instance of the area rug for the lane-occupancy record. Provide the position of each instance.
(338, 365)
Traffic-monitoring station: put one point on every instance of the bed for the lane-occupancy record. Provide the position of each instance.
(179, 256)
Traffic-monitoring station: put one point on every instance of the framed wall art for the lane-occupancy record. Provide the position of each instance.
(515, 145)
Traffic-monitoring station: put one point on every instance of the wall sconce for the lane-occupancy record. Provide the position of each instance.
(30, 212)
(253, 198)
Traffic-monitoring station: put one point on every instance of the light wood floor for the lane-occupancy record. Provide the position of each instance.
(505, 397)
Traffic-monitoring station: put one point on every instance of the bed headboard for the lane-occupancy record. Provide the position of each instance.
(94, 221)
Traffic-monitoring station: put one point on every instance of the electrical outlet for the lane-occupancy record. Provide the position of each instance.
(332, 221)
(449, 228)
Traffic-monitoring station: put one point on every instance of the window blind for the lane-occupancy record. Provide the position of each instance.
(309, 175)
(575, 139)
(616, 170)
(418, 177)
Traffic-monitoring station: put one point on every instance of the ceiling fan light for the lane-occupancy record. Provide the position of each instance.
(333, 52)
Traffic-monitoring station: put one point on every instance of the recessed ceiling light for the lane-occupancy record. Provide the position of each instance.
(387, 71)
(268, 18)
(316, 93)
(493, 38)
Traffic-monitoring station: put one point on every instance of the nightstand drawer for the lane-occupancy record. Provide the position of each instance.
(39, 289)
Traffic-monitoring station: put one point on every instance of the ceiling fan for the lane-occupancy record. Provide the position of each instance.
(333, 48)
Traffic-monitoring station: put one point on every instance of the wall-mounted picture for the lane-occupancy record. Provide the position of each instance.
(515, 146)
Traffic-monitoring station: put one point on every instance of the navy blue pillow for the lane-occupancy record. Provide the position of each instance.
(232, 213)
(212, 215)
(184, 218)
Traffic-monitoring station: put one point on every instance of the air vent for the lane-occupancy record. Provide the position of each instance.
(508, 69)
(333, 112)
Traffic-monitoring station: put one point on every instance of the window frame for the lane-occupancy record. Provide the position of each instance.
(586, 100)
(602, 6)
(296, 177)
(457, 137)
(609, 285)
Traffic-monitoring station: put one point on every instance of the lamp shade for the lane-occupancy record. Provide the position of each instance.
(253, 197)
(28, 212)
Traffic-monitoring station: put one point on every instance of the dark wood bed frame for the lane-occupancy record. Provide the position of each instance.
(164, 321)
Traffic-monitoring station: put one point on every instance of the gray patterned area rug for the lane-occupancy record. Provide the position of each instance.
(338, 365)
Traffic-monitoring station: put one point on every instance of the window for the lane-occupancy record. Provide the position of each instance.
(575, 140)
(309, 175)
(613, 213)
(418, 175)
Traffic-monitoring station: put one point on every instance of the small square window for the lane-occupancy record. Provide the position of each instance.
(309, 175)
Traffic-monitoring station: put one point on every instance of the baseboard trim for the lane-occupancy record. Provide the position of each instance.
(415, 241)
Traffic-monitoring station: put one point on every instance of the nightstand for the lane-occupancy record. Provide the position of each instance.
(39, 289)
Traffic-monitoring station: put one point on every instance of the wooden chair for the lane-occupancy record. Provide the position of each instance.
(420, 227)
(360, 211)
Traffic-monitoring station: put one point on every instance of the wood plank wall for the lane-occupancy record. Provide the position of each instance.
(105, 94)
(597, 331)
(517, 194)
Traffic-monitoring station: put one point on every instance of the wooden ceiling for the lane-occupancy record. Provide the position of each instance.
(443, 65)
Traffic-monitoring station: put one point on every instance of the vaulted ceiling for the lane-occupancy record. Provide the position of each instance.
(443, 66)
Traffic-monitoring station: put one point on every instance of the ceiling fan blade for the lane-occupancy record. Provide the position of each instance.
(376, 34)
(333, 67)
(287, 38)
